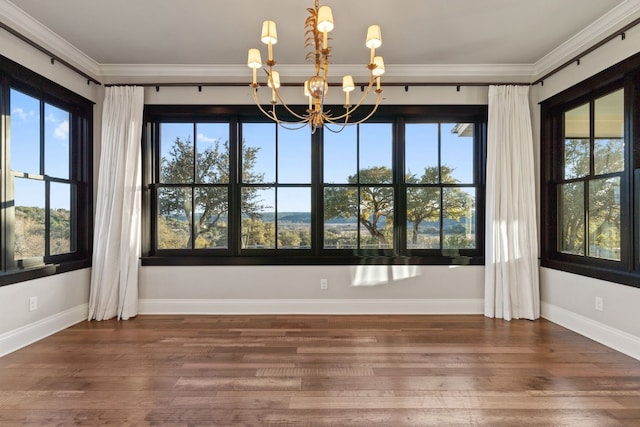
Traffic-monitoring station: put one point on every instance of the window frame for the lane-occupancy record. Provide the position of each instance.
(16, 77)
(626, 76)
(397, 115)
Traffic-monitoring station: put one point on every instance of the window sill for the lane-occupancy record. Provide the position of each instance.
(38, 272)
(308, 260)
(596, 272)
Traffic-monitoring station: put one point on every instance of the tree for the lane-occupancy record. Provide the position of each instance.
(257, 233)
(602, 194)
(423, 203)
(211, 203)
(376, 202)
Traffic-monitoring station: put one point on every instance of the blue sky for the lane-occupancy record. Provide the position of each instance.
(25, 150)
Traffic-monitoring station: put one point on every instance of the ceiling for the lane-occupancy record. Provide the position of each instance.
(216, 32)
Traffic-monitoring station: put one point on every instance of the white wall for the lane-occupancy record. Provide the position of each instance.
(62, 302)
(569, 299)
(62, 299)
(296, 289)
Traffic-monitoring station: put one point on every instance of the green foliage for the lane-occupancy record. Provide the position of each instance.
(29, 231)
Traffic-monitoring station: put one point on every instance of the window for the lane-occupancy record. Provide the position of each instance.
(224, 186)
(590, 152)
(46, 170)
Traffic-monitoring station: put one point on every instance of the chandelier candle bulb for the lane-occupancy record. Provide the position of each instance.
(274, 83)
(306, 92)
(269, 36)
(347, 86)
(374, 40)
(254, 62)
(379, 66)
(325, 24)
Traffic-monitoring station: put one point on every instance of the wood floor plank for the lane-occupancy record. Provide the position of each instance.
(318, 370)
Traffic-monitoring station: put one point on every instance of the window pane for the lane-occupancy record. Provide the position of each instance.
(609, 133)
(457, 153)
(421, 153)
(176, 153)
(212, 160)
(571, 213)
(423, 218)
(174, 218)
(294, 218)
(60, 218)
(25, 133)
(608, 155)
(609, 115)
(604, 218)
(376, 217)
(294, 156)
(340, 155)
(258, 215)
(212, 218)
(576, 158)
(375, 153)
(30, 218)
(56, 142)
(458, 217)
(576, 145)
(576, 123)
(258, 152)
(340, 218)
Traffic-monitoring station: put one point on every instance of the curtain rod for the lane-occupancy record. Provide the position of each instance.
(362, 85)
(50, 54)
(620, 33)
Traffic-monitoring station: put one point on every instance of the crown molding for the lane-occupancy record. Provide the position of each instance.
(25, 24)
(601, 28)
(415, 72)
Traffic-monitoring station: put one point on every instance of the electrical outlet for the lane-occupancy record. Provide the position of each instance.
(33, 303)
(324, 284)
(599, 304)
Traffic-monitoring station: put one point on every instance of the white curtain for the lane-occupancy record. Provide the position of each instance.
(512, 288)
(116, 247)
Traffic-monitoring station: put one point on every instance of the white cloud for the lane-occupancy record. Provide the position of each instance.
(24, 115)
(202, 137)
(62, 130)
(51, 118)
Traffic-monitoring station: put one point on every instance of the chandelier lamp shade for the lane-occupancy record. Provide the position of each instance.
(318, 25)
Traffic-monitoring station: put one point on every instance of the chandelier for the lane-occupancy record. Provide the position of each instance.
(318, 24)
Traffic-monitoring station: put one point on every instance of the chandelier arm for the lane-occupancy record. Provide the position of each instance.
(360, 101)
(257, 101)
(274, 113)
(367, 117)
(274, 116)
(289, 110)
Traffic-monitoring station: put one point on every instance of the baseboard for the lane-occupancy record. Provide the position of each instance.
(599, 332)
(308, 306)
(28, 334)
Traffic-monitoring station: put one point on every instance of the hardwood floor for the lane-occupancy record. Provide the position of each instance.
(319, 370)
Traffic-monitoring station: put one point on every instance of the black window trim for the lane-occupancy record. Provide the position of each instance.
(15, 76)
(476, 114)
(624, 75)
